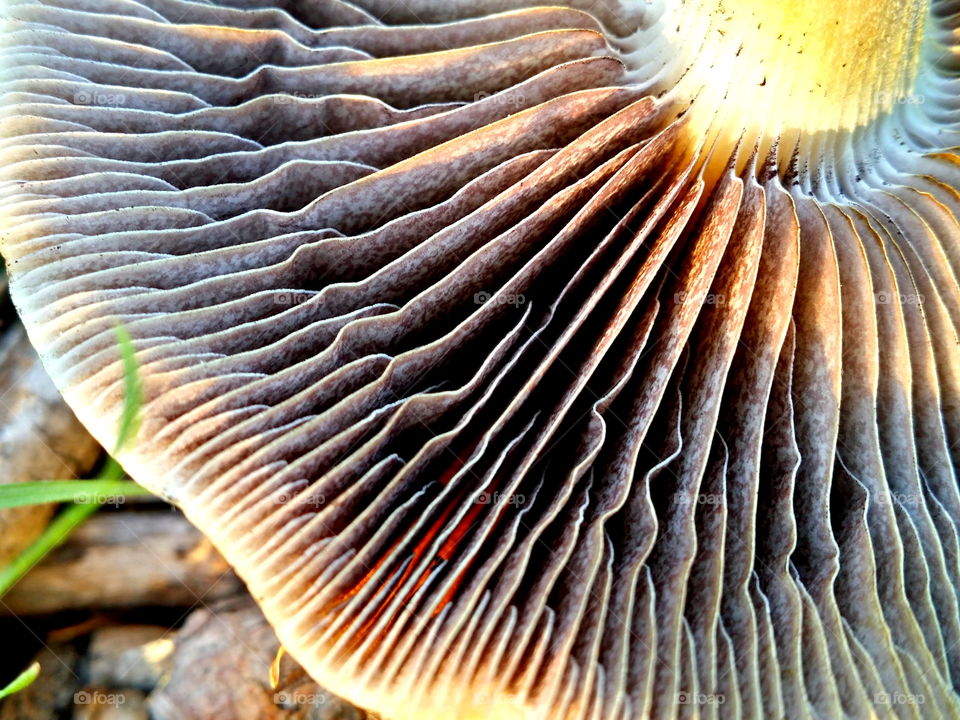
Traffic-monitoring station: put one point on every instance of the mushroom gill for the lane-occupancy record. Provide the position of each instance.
(594, 361)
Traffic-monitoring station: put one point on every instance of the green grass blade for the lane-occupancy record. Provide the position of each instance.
(83, 492)
(56, 533)
(133, 392)
(111, 471)
(87, 495)
(22, 681)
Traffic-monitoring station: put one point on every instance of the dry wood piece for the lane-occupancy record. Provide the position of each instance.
(122, 560)
(551, 360)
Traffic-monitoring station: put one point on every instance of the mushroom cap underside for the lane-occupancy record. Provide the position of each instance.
(585, 360)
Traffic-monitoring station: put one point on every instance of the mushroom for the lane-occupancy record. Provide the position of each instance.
(526, 361)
